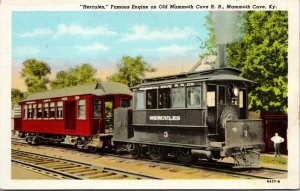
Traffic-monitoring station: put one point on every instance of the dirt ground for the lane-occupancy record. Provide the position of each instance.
(21, 173)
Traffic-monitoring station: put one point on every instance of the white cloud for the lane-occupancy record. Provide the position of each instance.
(172, 49)
(142, 32)
(92, 48)
(26, 51)
(37, 32)
(63, 30)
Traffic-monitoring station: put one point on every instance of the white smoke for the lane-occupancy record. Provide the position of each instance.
(226, 25)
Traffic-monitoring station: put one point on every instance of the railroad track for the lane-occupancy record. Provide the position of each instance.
(260, 173)
(69, 169)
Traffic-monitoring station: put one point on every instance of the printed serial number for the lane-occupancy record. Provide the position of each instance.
(273, 181)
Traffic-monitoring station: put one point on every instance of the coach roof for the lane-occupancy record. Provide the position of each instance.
(98, 89)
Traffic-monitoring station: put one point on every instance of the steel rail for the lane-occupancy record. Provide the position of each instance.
(223, 167)
(81, 164)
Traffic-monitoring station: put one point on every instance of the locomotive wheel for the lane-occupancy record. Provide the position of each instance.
(135, 151)
(157, 153)
(184, 156)
(35, 140)
(93, 149)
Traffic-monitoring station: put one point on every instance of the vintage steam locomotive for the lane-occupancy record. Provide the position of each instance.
(190, 115)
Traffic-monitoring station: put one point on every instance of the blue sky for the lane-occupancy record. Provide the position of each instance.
(66, 39)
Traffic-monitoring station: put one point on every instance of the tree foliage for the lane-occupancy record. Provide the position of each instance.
(16, 96)
(261, 55)
(81, 74)
(35, 74)
(209, 44)
(131, 70)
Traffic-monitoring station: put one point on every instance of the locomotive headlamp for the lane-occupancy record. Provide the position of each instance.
(235, 91)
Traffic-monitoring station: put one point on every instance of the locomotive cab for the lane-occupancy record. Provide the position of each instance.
(191, 115)
(225, 101)
(228, 126)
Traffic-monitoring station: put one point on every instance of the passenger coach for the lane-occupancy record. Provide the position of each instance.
(71, 114)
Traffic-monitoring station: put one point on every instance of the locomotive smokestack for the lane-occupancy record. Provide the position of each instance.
(222, 60)
(226, 31)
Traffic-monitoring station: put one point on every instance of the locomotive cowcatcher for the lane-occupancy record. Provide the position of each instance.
(73, 115)
(191, 115)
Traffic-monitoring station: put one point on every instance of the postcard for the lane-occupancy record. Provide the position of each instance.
(149, 94)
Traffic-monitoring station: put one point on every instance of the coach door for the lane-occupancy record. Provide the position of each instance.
(98, 113)
(70, 115)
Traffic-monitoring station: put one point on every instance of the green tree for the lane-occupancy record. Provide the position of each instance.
(131, 70)
(261, 55)
(16, 96)
(209, 44)
(81, 74)
(35, 74)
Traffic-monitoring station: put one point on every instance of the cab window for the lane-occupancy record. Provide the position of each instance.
(139, 100)
(211, 99)
(151, 99)
(194, 96)
(164, 98)
(241, 99)
(178, 97)
(222, 95)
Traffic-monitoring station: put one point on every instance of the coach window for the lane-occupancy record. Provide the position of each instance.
(193, 96)
(29, 114)
(178, 97)
(34, 111)
(97, 109)
(151, 99)
(46, 110)
(52, 110)
(164, 98)
(81, 109)
(125, 103)
(140, 100)
(39, 112)
(59, 110)
(25, 112)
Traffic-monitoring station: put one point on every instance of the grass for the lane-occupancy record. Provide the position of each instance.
(273, 160)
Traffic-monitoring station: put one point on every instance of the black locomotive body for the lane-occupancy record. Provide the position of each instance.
(191, 115)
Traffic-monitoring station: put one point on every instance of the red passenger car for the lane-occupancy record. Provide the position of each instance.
(78, 115)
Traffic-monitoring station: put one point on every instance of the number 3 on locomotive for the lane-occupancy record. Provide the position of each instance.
(166, 134)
